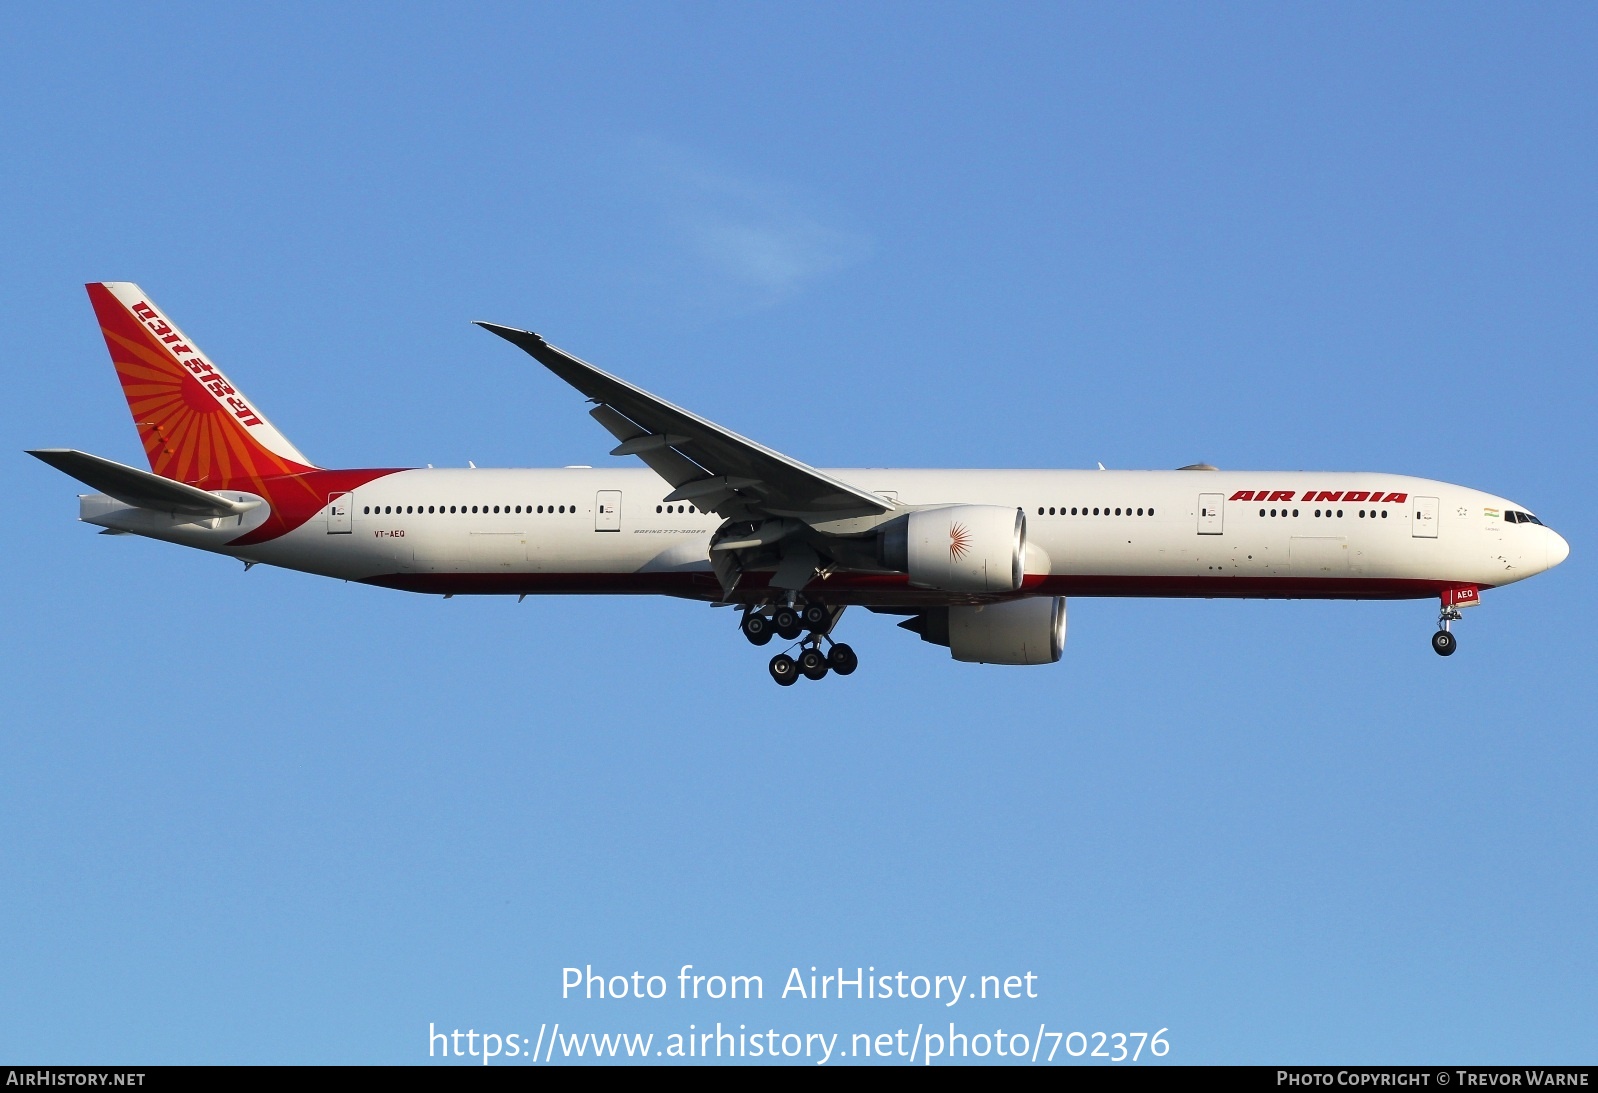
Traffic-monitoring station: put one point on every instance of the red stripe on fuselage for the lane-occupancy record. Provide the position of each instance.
(895, 590)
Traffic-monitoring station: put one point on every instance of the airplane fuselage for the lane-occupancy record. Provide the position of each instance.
(1089, 533)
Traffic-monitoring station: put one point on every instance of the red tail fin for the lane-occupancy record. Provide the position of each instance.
(196, 426)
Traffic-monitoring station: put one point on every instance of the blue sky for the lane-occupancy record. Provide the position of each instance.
(274, 818)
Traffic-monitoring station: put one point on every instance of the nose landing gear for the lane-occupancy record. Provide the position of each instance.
(1443, 642)
(1453, 598)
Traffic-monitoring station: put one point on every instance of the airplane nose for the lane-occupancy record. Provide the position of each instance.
(1558, 549)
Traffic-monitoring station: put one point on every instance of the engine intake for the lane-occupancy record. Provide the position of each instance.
(958, 548)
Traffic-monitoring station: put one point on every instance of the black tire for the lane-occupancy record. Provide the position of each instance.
(757, 628)
(1444, 643)
(784, 670)
(787, 622)
(813, 664)
(842, 659)
(817, 618)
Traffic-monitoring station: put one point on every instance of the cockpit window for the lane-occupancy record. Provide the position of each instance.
(1514, 517)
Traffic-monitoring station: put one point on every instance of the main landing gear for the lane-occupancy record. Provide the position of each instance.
(810, 660)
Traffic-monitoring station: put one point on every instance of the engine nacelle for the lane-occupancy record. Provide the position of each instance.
(1030, 631)
(959, 548)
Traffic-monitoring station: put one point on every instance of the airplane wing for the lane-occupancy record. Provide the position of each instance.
(141, 489)
(714, 468)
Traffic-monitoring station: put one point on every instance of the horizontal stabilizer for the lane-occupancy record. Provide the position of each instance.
(139, 488)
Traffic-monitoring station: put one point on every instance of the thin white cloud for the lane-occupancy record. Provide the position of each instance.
(754, 240)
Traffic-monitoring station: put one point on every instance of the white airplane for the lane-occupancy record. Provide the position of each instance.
(980, 561)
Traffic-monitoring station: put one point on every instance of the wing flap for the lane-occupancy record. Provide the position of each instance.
(676, 468)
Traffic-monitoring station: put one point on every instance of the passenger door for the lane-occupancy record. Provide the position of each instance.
(1209, 513)
(1423, 511)
(340, 507)
(607, 511)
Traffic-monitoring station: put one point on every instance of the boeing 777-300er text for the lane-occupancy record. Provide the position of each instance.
(980, 561)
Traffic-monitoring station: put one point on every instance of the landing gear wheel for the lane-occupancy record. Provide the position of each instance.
(817, 617)
(813, 663)
(786, 620)
(757, 628)
(784, 670)
(842, 660)
(1444, 643)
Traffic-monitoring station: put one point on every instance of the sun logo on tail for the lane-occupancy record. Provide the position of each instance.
(959, 542)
